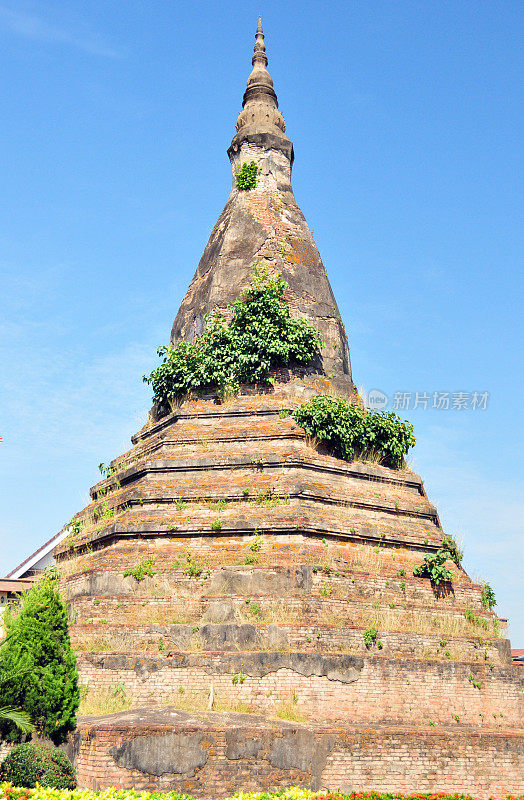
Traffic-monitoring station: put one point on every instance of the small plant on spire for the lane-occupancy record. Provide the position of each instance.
(247, 176)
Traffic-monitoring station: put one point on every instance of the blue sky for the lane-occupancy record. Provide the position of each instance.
(407, 123)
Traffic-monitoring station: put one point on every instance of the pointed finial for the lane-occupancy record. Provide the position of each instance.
(260, 81)
(259, 50)
(260, 114)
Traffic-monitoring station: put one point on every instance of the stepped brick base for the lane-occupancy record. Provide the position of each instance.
(215, 754)
(271, 561)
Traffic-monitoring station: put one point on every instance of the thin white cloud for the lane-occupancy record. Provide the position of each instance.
(33, 27)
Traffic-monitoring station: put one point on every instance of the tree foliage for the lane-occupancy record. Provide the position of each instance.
(351, 431)
(37, 666)
(261, 336)
(20, 719)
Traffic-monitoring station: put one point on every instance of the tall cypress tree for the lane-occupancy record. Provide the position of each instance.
(37, 666)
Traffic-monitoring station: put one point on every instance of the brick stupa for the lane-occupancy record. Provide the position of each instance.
(242, 658)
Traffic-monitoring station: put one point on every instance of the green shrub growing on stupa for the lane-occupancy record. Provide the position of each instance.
(432, 567)
(352, 432)
(247, 176)
(487, 596)
(260, 337)
(455, 552)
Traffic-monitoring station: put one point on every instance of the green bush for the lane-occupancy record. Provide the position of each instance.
(28, 764)
(487, 596)
(351, 431)
(146, 566)
(455, 552)
(260, 337)
(37, 666)
(247, 176)
(433, 567)
(370, 637)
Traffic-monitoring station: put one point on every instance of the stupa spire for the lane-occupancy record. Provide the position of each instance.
(260, 82)
(260, 114)
(264, 226)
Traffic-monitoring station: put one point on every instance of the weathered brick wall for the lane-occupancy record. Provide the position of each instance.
(366, 564)
(150, 638)
(483, 766)
(213, 757)
(331, 688)
(311, 610)
(218, 455)
(342, 580)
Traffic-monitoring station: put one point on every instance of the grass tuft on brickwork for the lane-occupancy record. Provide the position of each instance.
(198, 701)
(110, 700)
(96, 644)
(289, 710)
